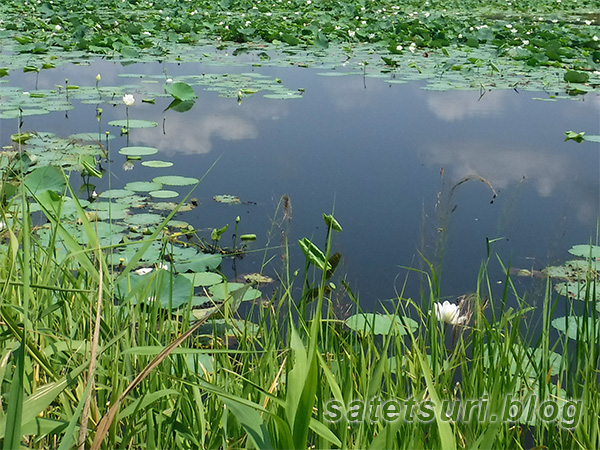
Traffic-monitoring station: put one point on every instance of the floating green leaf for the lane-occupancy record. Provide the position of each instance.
(163, 193)
(116, 193)
(204, 278)
(580, 290)
(573, 326)
(224, 290)
(585, 251)
(175, 180)
(143, 186)
(138, 151)
(133, 123)
(91, 137)
(573, 76)
(145, 219)
(380, 324)
(201, 263)
(157, 164)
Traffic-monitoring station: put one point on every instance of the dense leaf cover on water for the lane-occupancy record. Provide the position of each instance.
(541, 32)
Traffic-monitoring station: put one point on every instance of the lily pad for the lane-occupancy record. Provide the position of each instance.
(175, 180)
(379, 324)
(145, 219)
(585, 251)
(163, 193)
(138, 151)
(579, 290)
(116, 193)
(157, 164)
(133, 123)
(204, 278)
(224, 290)
(201, 263)
(143, 186)
(573, 326)
(91, 137)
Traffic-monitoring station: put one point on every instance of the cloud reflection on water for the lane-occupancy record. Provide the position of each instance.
(195, 132)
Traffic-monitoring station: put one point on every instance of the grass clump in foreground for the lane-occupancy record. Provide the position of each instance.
(79, 369)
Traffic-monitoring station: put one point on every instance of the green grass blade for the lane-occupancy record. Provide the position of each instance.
(14, 413)
(447, 440)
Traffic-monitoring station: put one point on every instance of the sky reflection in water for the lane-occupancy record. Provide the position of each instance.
(373, 152)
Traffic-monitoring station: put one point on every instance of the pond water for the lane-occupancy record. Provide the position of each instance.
(382, 156)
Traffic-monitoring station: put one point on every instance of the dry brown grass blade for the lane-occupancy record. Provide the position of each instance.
(106, 421)
(275, 382)
(476, 177)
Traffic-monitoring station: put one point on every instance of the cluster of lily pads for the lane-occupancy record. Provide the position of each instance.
(521, 44)
(134, 224)
(577, 279)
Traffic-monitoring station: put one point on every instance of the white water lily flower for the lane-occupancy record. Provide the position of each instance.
(128, 99)
(143, 270)
(448, 312)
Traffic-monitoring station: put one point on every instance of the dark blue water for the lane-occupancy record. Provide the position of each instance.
(383, 157)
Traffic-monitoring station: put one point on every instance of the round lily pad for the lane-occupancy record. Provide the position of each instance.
(133, 123)
(178, 224)
(13, 114)
(143, 186)
(163, 193)
(204, 278)
(175, 180)
(145, 219)
(585, 250)
(138, 151)
(91, 137)
(157, 163)
(116, 193)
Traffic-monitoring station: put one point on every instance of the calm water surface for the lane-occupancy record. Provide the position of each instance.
(382, 156)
